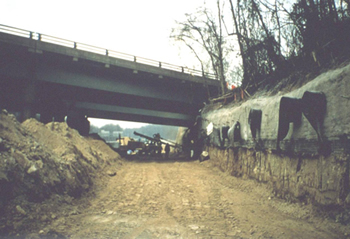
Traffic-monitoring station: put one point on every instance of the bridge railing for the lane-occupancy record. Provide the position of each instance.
(102, 51)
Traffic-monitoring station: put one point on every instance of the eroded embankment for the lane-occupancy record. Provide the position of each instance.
(40, 161)
(301, 146)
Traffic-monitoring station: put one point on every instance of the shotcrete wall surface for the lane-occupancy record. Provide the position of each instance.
(301, 168)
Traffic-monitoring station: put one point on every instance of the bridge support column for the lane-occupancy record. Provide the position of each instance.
(30, 90)
(52, 111)
(78, 121)
(46, 118)
(29, 101)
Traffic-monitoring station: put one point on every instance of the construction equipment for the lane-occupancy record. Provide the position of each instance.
(127, 144)
(154, 146)
(157, 139)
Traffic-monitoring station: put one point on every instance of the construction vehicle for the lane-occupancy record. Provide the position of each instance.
(127, 145)
(154, 145)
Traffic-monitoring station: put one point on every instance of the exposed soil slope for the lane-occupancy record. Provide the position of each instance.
(40, 162)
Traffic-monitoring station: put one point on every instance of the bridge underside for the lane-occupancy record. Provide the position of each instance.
(56, 84)
(55, 100)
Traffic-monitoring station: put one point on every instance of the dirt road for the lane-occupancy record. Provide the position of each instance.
(149, 199)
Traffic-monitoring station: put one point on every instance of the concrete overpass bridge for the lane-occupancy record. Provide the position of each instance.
(54, 77)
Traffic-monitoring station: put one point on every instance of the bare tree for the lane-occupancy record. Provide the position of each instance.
(274, 35)
(258, 47)
(203, 32)
(276, 38)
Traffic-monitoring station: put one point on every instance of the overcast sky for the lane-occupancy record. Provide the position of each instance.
(136, 27)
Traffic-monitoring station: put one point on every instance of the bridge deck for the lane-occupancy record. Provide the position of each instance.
(39, 43)
(53, 75)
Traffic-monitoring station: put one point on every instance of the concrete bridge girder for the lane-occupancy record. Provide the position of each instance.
(132, 111)
(118, 81)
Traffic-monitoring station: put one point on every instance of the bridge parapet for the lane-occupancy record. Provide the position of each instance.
(207, 76)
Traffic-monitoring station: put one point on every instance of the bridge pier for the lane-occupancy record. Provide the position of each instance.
(78, 120)
(28, 110)
(46, 117)
(51, 109)
(30, 88)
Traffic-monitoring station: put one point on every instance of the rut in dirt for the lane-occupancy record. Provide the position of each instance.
(187, 199)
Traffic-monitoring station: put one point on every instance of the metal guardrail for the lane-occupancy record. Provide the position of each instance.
(102, 51)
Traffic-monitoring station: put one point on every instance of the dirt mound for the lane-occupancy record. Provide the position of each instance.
(69, 145)
(40, 162)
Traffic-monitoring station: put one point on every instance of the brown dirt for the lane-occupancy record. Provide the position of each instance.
(42, 169)
(179, 199)
(56, 184)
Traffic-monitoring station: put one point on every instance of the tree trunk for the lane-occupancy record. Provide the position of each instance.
(240, 40)
(220, 53)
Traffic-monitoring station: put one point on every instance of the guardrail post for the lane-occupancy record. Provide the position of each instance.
(182, 69)
(106, 52)
(160, 65)
(31, 35)
(39, 36)
(75, 45)
(134, 58)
